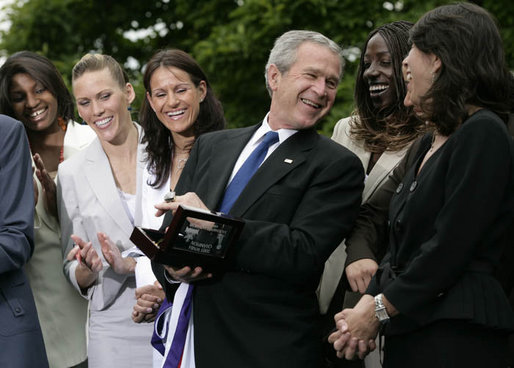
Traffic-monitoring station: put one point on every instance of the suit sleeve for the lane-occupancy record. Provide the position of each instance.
(70, 220)
(17, 198)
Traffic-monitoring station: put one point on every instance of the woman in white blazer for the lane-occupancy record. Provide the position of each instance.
(379, 133)
(33, 91)
(102, 196)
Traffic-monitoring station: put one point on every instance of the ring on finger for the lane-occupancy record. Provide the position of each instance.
(169, 197)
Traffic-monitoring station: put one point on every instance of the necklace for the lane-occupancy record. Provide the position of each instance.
(178, 162)
(432, 144)
(437, 141)
(181, 162)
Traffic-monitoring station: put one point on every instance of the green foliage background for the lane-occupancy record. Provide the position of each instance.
(231, 39)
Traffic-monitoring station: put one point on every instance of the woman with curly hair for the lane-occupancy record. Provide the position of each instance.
(379, 133)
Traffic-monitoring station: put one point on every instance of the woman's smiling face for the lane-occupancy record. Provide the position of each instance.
(419, 71)
(378, 72)
(102, 103)
(33, 104)
(175, 99)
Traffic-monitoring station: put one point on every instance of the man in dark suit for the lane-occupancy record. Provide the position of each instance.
(21, 341)
(299, 204)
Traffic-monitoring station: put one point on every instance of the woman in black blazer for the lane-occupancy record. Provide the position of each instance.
(435, 295)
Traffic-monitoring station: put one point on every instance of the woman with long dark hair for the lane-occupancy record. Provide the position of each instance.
(379, 132)
(435, 294)
(180, 105)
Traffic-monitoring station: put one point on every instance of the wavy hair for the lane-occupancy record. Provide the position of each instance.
(158, 138)
(40, 69)
(473, 70)
(394, 126)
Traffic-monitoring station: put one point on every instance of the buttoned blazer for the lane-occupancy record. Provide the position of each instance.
(89, 202)
(448, 227)
(297, 207)
(62, 312)
(21, 340)
(335, 265)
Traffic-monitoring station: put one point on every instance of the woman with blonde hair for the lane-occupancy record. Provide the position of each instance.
(102, 197)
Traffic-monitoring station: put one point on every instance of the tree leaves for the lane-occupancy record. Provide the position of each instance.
(231, 39)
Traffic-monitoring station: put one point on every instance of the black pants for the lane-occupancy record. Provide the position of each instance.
(447, 344)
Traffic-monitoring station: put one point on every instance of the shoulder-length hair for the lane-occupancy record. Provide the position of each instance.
(158, 138)
(392, 127)
(473, 69)
(40, 69)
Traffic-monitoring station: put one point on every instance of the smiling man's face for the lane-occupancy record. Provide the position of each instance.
(306, 92)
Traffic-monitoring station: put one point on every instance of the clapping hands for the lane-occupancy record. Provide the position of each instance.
(89, 263)
(47, 184)
(120, 265)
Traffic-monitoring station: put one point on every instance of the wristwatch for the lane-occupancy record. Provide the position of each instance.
(380, 310)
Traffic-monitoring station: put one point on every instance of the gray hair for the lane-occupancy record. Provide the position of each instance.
(283, 54)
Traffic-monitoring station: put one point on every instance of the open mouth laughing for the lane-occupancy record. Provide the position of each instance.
(311, 103)
(377, 89)
(176, 114)
(103, 123)
(38, 115)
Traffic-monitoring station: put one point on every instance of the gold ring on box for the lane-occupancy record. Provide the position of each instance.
(169, 197)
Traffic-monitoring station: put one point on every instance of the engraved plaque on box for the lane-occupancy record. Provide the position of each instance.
(195, 237)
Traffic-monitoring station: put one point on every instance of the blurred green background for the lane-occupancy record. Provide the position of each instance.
(231, 39)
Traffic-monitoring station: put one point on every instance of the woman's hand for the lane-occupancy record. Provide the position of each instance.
(148, 301)
(89, 263)
(48, 186)
(34, 184)
(357, 330)
(359, 274)
(120, 265)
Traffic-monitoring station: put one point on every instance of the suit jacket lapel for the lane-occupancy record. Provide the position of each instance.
(77, 137)
(140, 167)
(385, 164)
(99, 176)
(223, 161)
(289, 155)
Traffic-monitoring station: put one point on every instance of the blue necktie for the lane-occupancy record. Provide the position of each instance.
(246, 171)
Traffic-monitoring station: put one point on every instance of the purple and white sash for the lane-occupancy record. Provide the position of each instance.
(173, 334)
